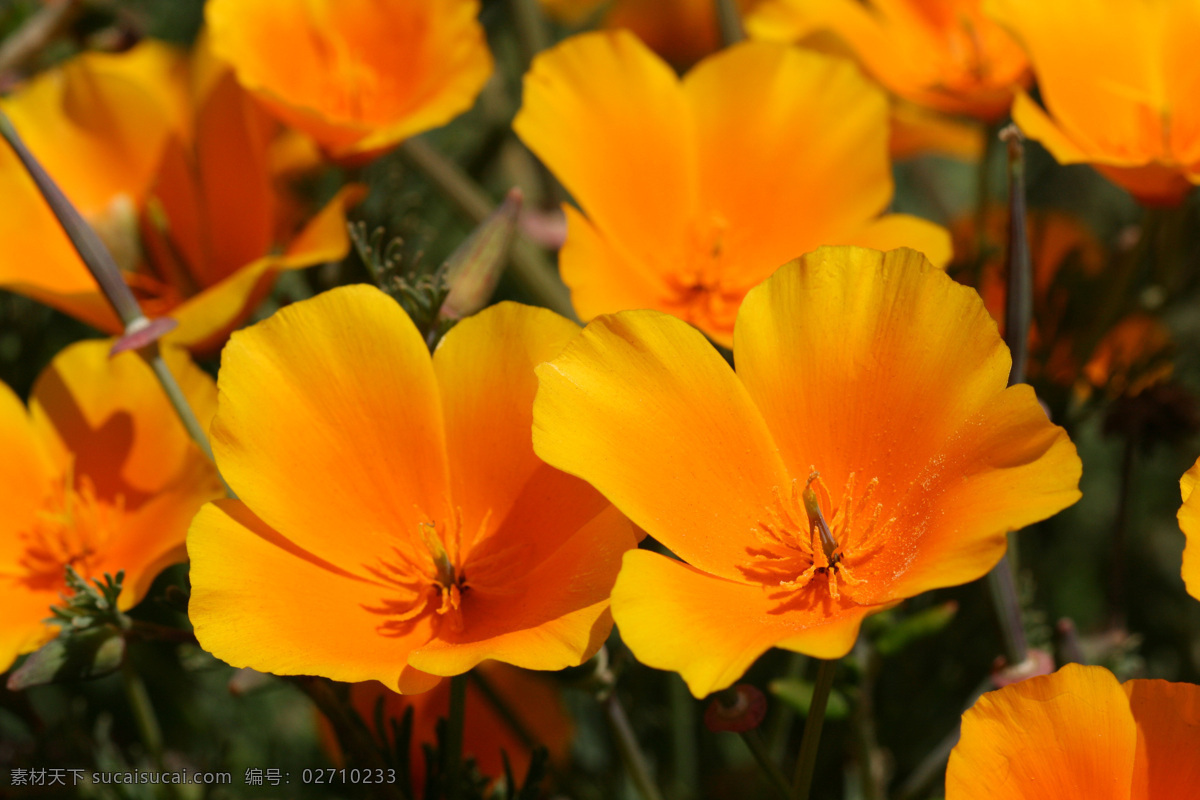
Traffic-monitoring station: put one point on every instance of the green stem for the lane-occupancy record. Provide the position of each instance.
(683, 739)
(780, 725)
(758, 747)
(729, 22)
(454, 737)
(529, 265)
(1002, 586)
(531, 28)
(1116, 582)
(143, 712)
(631, 752)
(806, 762)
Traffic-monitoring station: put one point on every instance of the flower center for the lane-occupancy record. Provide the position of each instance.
(70, 529)
(695, 291)
(806, 556)
(428, 576)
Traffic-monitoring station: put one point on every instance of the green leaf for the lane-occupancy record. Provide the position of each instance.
(798, 693)
(71, 657)
(918, 626)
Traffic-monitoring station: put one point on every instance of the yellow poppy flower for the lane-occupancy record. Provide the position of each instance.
(359, 76)
(695, 190)
(942, 54)
(172, 162)
(394, 523)
(100, 475)
(1117, 80)
(1189, 523)
(534, 699)
(681, 31)
(1079, 735)
(866, 450)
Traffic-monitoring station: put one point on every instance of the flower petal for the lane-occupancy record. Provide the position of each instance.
(277, 608)
(22, 628)
(880, 366)
(793, 152)
(552, 617)
(359, 76)
(25, 475)
(109, 417)
(644, 409)
(608, 117)
(1189, 523)
(206, 318)
(710, 630)
(484, 367)
(603, 278)
(329, 425)
(1168, 733)
(1066, 735)
(893, 231)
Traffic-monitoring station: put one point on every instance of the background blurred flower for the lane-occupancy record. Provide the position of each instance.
(681, 31)
(535, 700)
(1189, 522)
(202, 234)
(1079, 735)
(1118, 82)
(359, 76)
(696, 190)
(875, 370)
(99, 475)
(944, 54)
(394, 523)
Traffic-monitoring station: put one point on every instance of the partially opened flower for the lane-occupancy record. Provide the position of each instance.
(1118, 84)
(695, 190)
(394, 523)
(1189, 523)
(944, 54)
(200, 230)
(534, 700)
(359, 76)
(1079, 735)
(99, 475)
(681, 31)
(865, 451)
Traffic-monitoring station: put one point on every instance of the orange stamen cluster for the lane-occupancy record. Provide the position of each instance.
(429, 575)
(72, 526)
(696, 292)
(799, 545)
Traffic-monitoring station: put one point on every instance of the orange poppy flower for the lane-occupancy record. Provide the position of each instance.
(874, 371)
(1079, 735)
(394, 523)
(695, 190)
(359, 76)
(534, 699)
(1189, 523)
(172, 163)
(99, 475)
(681, 31)
(1118, 83)
(942, 54)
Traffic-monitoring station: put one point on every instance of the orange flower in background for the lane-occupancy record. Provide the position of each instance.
(695, 190)
(941, 54)
(865, 451)
(99, 475)
(1133, 355)
(200, 227)
(359, 76)
(1079, 735)
(1118, 84)
(534, 699)
(394, 523)
(1189, 523)
(1066, 258)
(681, 31)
